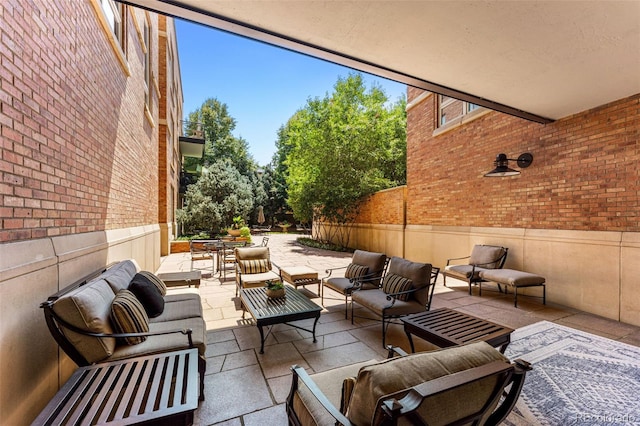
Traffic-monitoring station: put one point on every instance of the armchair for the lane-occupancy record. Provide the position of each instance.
(407, 288)
(458, 385)
(482, 257)
(253, 267)
(366, 267)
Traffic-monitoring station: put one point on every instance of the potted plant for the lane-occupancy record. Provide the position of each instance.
(245, 232)
(275, 289)
(285, 226)
(234, 230)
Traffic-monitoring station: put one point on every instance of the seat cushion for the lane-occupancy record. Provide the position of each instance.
(512, 277)
(177, 310)
(344, 285)
(486, 256)
(398, 374)
(376, 301)
(257, 280)
(128, 316)
(463, 272)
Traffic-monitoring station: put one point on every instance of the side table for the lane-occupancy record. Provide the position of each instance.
(446, 327)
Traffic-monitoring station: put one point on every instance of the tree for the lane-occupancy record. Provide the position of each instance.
(220, 194)
(339, 149)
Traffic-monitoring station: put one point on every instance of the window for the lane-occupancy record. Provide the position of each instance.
(453, 110)
(147, 65)
(113, 20)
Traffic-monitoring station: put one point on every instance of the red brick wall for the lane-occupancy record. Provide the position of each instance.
(584, 175)
(78, 154)
(384, 207)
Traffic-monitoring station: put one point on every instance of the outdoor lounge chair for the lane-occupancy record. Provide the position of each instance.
(253, 267)
(366, 267)
(482, 257)
(458, 385)
(407, 288)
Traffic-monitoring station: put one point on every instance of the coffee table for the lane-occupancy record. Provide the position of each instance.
(153, 389)
(294, 306)
(447, 327)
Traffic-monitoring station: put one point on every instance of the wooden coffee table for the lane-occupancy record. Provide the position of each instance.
(294, 306)
(188, 278)
(446, 327)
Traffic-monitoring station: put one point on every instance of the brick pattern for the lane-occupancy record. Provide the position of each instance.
(77, 153)
(584, 174)
(384, 207)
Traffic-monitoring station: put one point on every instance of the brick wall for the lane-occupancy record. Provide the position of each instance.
(584, 175)
(78, 154)
(384, 207)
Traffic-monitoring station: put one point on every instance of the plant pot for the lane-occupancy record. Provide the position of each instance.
(275, 294)
(234, 232)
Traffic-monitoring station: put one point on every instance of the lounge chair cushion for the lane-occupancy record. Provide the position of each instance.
(486, 256)
(128, 316)
(148, 294)
(397, 374)
(393, 283)
(376, 301)
(463, 272)
(418, 273)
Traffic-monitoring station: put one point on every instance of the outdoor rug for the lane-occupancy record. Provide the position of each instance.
(577, 378)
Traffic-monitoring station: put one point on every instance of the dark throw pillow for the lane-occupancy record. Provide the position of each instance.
(148, 294)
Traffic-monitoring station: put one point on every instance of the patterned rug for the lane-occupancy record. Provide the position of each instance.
(577, 378)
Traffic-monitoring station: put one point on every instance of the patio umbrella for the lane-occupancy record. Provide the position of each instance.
(261, 218)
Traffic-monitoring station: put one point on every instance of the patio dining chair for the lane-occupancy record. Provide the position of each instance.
(227, 257)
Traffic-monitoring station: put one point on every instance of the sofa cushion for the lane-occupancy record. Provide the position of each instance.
(128, 316)
(486, 256)
(89, 308)
(166, 342)
(356, 271)
(177, 310)
(398, 374)
(393, 283)
(162, 287)
(119, 275)
(376, 301)
(254, 266)
(148, 294)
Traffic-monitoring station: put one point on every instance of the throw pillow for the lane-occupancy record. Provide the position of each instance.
(356, 271)
(393, 283)
(254, 266)
(148, 294)
(162, 287)
(128, 316)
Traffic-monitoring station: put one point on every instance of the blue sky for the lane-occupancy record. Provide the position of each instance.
(262, 85)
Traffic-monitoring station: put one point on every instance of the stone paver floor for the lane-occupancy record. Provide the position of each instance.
(243, 387)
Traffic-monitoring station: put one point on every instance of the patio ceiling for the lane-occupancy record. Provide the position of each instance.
(537, 60)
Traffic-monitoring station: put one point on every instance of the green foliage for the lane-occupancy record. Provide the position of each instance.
(341, 148)
(245, 232)
(220, 194)
(310, 242)
(274, 284)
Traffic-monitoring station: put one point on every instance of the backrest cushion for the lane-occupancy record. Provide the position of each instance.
(89, 308)
(396, 374)
(119, 275)
(393, 283)
(160, 285)
(247, 253)
(148, 295)
(418, 273)
(128, 316)
(254, 266)
(486, 256)
(356, 271)
(374, 261)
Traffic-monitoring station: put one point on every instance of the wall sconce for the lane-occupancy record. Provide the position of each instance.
(502, 165)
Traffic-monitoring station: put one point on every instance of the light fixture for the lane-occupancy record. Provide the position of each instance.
(502, 165)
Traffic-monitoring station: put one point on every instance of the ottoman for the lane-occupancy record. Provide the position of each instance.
(300, 276)
(515, 279)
